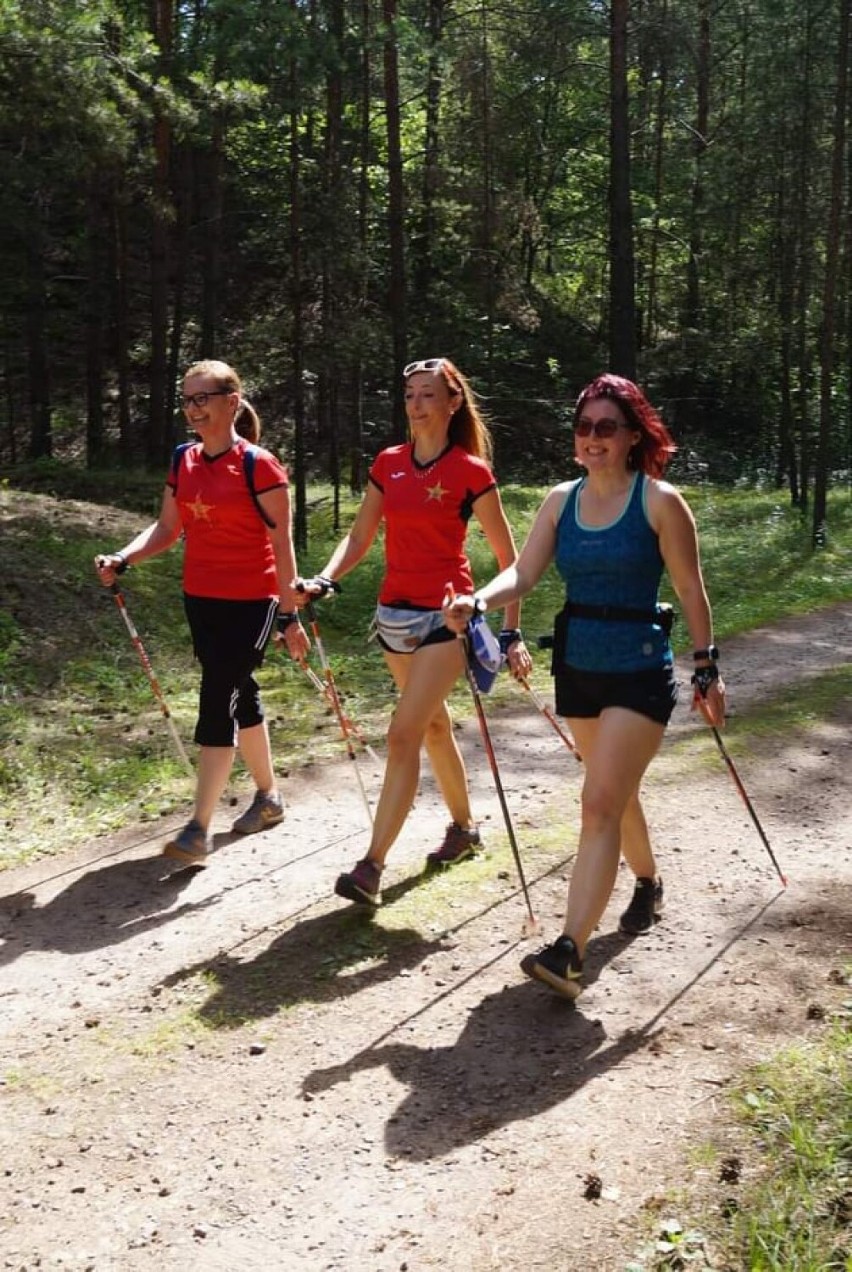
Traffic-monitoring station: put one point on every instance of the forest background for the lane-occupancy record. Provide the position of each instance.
(319, 190)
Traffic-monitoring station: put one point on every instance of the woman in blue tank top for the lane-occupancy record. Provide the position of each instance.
(611, 534)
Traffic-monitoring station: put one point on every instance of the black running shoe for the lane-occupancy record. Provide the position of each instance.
(557, 965)
(644, 909)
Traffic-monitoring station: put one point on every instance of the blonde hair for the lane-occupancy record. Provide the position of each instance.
(246, 420)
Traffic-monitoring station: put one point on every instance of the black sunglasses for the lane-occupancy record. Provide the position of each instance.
(600, 428)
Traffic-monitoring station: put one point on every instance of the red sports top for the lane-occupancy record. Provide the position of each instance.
(426, 511)
(228, 553)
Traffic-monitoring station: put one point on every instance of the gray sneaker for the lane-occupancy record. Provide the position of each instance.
(189, 846)
(264, 811)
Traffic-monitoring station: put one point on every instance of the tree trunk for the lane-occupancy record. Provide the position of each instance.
(397, 299)
(489, 255)
(214, 165)
(158, 431)
(95, 312)
(184, 183)
(297, 351)
(38, 362)
(622, 285)
(651, 317)
(329, 383)
(10, 402)
(119, 301)
(431, 155)
(356, 462)
(787, 463)
(801, 344)
(692, 315)
(832, 257)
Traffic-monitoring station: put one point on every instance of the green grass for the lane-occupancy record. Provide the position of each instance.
(787, 1206)
(83, 747)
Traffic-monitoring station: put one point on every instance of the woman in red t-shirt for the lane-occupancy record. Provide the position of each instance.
(239, 564)
(425, 493)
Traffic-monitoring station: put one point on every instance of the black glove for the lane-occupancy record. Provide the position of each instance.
(319, 585)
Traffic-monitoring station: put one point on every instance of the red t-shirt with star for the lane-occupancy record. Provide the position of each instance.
(426, 511)
(228, 553)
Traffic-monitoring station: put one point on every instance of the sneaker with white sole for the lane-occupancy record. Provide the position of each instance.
(646, 906)
(460, 842)
(189, 846)
(265, 810)
(361, 884)
(557, 965)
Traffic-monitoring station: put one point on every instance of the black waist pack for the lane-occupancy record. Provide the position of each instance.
(663, 615)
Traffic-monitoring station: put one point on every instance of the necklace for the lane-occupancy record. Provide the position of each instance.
(424, 470)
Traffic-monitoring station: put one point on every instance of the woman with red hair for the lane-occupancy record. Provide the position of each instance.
(611, 533)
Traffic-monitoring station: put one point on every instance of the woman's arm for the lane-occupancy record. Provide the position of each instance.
(276, 505)
(356, 544)
(672, 519)
(156, 538)
(492, 517)
(521, 577)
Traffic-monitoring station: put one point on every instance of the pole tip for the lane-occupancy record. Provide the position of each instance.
(531, 926)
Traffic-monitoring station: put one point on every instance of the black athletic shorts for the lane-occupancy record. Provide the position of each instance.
(585, 694)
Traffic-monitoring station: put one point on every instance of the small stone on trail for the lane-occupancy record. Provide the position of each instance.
(592, 1187)
(257, 1048)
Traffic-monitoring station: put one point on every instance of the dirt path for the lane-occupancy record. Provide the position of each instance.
(225, 1068)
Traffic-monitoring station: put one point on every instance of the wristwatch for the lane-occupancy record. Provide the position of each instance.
(479, 605)
(710, 654)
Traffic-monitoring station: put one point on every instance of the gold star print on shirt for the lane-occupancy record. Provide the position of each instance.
(200, 511)
(435, 492)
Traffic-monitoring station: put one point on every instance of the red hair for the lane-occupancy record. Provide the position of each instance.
(656, 446)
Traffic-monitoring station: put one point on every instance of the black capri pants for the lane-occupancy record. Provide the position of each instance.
(229, 639)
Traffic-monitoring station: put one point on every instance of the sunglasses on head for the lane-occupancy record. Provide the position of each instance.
(426, 364)
(200, 400)
(600, 428)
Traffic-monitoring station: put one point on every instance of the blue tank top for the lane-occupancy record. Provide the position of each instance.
(618, 564)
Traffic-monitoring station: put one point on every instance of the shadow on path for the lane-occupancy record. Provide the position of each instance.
(318, 959)
(521, 1051)
(99, 909)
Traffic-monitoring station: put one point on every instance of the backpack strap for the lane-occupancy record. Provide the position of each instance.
(249, 458)
(177, 456)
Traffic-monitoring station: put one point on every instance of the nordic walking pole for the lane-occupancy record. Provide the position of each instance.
(118, 596)
(551, 718)
(322, 687)
(330, 690)
(531, 926)
(723, 751)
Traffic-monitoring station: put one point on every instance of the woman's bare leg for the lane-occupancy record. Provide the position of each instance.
(617, 748)
(425, 678)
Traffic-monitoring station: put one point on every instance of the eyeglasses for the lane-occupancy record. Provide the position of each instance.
(600, 428)
(426, 364)
(201, 399)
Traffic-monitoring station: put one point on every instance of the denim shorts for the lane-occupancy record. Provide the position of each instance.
(403, 629)
(585, 694)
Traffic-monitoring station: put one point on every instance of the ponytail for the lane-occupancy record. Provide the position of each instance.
(247, 421)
